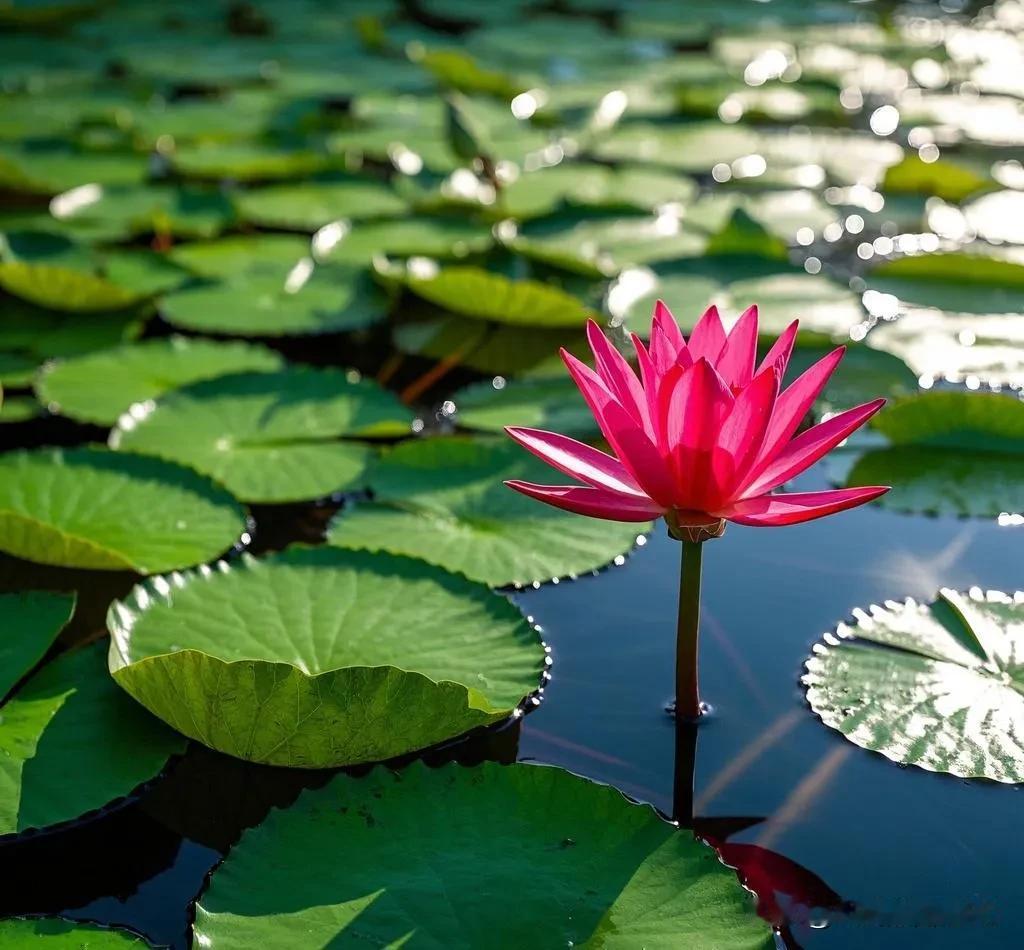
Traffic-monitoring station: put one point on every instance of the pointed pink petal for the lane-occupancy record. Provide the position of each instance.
(708, 337)
(793, 405)
(576, 459)
(618, 376)
(778, 510)
(693, 416)
(650, 380)
(781, 349)
(593, 502)
(743, 431)
(667, 343)
(736, 363)
(810, 446)
(629, 442)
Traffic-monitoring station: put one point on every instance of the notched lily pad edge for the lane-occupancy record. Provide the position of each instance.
(845, 633)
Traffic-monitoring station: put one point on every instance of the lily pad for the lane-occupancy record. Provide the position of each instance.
(689, 147)
(958, 453)
(99, 387)
(322, 299)
(246, 161)
(587, 868)
(428, 237)
(443, 500)
(242, 255)
(91, 508)
(31, 622)
(72, 742)
(735, 282)
(311, 205)
(305, 658)
(269, 437)
(53, 933)
(934, 685)
(19, 409)
(473, 292)
(64, 288)
(47, 333)
(943, 179)
(554, 404)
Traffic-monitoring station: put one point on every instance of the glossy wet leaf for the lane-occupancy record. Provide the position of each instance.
(312, 204)
(72, 742)
(933, 685)
(734, 283)
(942, 178)
(100, 386)
(317, 657)
(554, 404)
(53, 933)
(442, 499)
(270, 437)
(31, 621)
(473, 292)
(331, 299)
(954, 453)
(91, 508)
(587, 867)
(63, 288)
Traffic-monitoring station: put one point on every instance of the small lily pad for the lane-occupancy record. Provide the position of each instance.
(443, 500)
(99, 387)
(31, 621)
(92, 508)
(554, 404)
(588, 869)
(934, 685)
(53, 933)
(71, 742)
(312, 204)
(317, 657)
(19, 409)
(473, 292)
(269, 437)
(958, 453)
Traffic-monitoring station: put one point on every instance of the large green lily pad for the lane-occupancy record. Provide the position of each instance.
(64, 288)
(269, 437)
(312, 204)
(317, 657)
(53, 933)
(88, 507)
(937, 685)
(950, 452)
(443, 500)
(71, 742)
(321, 299)
(31, 621)
(440, 851)
(554, 404)
(99, 387)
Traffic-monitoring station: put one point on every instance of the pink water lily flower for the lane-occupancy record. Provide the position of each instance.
(702, 436)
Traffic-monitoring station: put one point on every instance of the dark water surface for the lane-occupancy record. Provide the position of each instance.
(903, 857)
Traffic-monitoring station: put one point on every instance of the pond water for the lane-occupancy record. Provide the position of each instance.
(438, 214)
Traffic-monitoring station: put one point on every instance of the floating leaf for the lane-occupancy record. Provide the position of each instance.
(958, 453)
(933, 685)
(246, 161)
(31, 622)
(734, 283)
(62, 288)
(71, 742)
(269, 437)
(312, 204)
(305, 658)
(473, 292)
(99, 387)
(45, 333)
(689, 147)
(88, 507)
(554, 404)
(53, 933)
(587, 867)
(405, 237)
(19, 409)
(443, 500)
(329, 298)
(50, 171)
(17, 369)
(942, 178)
(240, 255)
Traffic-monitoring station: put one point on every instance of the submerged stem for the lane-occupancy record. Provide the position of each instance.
(687, 631)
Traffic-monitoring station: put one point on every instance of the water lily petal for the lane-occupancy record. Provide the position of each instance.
(736, 362)
(667, 344)
(781, 349)
(576, 459)
(795, 507)
(708, 337)
(618, 376)
(743, 432)
(593, 502)
(810, 446)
